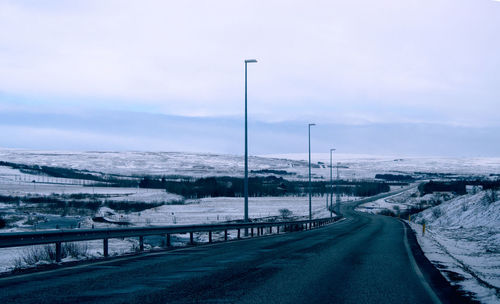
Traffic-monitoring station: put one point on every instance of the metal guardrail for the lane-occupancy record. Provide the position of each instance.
(57, 237)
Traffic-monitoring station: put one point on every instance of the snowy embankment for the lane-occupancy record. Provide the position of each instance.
(462, 240)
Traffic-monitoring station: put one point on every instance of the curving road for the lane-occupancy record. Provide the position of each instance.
(362, 259)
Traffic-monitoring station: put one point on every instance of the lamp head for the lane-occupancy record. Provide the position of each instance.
(250, 60)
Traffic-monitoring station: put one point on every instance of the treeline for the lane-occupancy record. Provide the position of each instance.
(457, 186)
(100, 179)
(395, 177)
(56, 203)
(52, 171)
(259, 187)
(271, 171)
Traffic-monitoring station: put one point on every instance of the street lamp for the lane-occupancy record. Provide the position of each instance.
(245, 183)
(310, 187)
(331, 182)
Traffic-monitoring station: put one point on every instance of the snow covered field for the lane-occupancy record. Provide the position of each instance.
(220, 209)
(366, 166)
(202, 164)
(111, 193)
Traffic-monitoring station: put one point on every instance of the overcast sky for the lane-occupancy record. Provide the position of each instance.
(430, 66)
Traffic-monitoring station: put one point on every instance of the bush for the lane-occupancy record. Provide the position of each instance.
(387, 212)
(437, 212)
(128, 206)
(285, 213)
(75, 250)
(491, 196)
(397, 209)
(47, 254)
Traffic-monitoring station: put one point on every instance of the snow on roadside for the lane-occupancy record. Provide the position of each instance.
(396, 203)
(462, 240)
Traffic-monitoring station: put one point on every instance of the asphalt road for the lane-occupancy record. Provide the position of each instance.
(362, 259)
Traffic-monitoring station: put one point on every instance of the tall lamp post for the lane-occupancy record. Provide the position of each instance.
(245, 183)
(331, 182)
(310, 187)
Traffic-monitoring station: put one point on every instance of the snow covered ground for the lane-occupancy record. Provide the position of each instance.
(203, 164)
(219, 209)
(405, 201)
(111, 193)
(463, 240)
(366, 166)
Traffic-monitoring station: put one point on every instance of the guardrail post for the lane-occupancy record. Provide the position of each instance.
(105, 252)
(225, 235)
(168, 239)
(270, 229)
(258, 231)
(251, 232)
(141, 243)
(191, 241)
(277, 229)
(58, 252)
(239, 236)
(210, 236)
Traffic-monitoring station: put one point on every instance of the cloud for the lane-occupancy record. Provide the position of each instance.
(109, 130)
(368, 61)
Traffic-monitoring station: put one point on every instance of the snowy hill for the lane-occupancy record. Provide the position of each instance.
(292, 166)
(463, 241)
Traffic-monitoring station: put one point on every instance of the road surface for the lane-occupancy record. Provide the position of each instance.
(362, 259)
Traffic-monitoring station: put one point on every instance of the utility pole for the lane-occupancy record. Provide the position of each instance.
(245, 184)
(331, 183)
(338, 194)
(310, 186)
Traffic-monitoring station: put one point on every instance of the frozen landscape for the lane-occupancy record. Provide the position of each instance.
(462, 236)
(200, 164)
